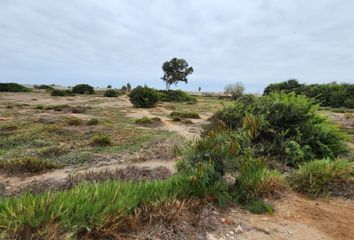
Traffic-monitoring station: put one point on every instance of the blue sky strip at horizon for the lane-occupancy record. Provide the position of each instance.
(114, 41)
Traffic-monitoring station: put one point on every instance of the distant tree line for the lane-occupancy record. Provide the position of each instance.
(329, 95)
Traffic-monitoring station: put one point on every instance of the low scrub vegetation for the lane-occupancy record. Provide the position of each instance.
(93, 121)
(182, 115)
(61, 93)
(57, 108)
(332, 94)
(176, 96)
(26, 165)
(83, 89)
(73, 121)
(147, 121)
(13, 87)
(285, 126)
(318, 177)
(90, 208)
(101, 140)
(144, 97)
(112, 93)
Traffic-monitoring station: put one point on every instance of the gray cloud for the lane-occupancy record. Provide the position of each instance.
(113, 42)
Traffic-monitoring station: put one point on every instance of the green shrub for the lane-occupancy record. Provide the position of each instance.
(176, 96)
(319, 176)
(61, 93)
(27, 165)
(286, 126)
(332, 94)
(101, 140)
(73, 121)
(112, 93)
(146, 120)
(185, 115)
(144, 97)
(92, 121)
(13, 87)
(83, 89)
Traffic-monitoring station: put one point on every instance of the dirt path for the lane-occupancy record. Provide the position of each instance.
(17, 184)
(189, 131)
(296, 217)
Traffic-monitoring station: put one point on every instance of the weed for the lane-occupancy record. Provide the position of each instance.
(258, 206)
(101, 140)
(57, 108)
(73, 121)
(318, 176)
(39, 107)
(27, 165)
(74, 158)
(92, 121)
(185, 115)
(147, 121)
(52, 151)
(78, 109)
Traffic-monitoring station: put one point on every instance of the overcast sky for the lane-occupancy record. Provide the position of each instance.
(104, 42)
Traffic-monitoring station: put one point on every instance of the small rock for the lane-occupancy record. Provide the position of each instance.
(231, 232)
(265, 219)
(239, 229)
(228, 220)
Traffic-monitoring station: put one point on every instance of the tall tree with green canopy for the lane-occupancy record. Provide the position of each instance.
(176, 70)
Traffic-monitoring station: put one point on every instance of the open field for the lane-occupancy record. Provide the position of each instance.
(68, 140)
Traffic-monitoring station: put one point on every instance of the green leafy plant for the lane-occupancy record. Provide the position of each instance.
(144, 97)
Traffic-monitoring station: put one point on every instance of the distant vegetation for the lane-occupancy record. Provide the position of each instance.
(83, 89)
(144, 97)
(112, 93)
(13, 87)
(61, 93)
(331, 95)
(176, 96)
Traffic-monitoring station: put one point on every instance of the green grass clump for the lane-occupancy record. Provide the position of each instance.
(77, 157)
(39, 107)
(52, 151)
(101, 140)
(318, 176)
(256, 181)
(92, 121)
(57, 108)
(93, 206)
(185, 115)
(258, 206)
(73, 121)
(27, 165)
(146, 120)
